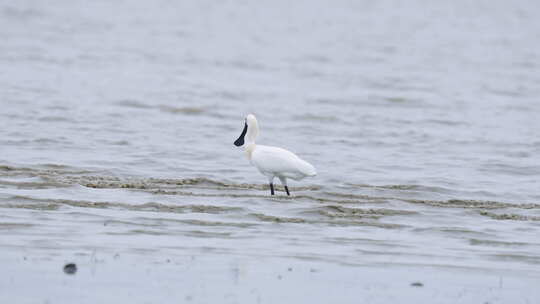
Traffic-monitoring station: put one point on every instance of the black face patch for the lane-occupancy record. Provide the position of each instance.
(240, 141)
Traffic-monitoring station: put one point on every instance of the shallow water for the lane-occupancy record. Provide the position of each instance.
(117, 121)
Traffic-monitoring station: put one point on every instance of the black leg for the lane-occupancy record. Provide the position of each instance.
(271, 189)
(287, 189)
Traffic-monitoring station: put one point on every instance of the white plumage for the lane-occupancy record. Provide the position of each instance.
(272, 161)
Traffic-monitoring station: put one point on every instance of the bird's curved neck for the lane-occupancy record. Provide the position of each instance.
(250, 147)
(252, 132)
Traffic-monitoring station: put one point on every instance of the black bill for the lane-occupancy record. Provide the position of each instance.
(240, 141)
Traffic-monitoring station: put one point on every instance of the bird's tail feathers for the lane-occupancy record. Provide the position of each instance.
(307, 168)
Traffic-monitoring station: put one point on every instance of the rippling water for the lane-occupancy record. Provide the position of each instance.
(116, 127)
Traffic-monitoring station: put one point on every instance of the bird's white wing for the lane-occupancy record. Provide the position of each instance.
(278, 161)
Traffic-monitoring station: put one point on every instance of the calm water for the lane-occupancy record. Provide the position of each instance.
(116, 127)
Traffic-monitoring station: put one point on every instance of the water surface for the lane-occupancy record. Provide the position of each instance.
(117, 121)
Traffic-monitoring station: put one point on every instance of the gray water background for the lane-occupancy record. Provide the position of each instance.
(117, 120)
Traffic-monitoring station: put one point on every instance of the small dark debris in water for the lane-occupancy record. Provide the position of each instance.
(417, 284)
(189, 298)
(313, 270)
(168, 260)
(116, 256)
(24, 258)
(70, 268)
(279, 277)
(289, 269)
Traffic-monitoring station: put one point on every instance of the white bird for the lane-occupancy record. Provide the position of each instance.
(272, 161)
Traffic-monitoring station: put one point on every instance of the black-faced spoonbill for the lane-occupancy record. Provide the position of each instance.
(272, 161)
